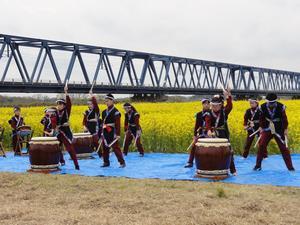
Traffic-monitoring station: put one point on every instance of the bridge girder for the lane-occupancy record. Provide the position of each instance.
(158, 73)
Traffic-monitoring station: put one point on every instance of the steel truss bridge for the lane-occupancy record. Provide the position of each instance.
(127, 72)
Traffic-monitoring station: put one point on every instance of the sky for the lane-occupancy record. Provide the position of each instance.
(261, 33)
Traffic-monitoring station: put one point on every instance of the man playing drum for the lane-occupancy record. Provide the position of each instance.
(274, 124)
(132, 128)
(15, 122)
(199, 129)
(111, 119)
(64, 133)
(217, 122)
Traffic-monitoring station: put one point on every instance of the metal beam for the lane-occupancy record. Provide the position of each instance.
(187, 76)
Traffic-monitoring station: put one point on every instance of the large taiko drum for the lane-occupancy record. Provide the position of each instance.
(83, 144)
(44, 154)
(213, 157)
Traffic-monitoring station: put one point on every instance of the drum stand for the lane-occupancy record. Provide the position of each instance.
(24, 140)
(1, 141)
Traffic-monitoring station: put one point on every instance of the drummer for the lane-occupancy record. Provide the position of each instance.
(274, 124)
(251, 123)
(132, 129)
(62, 126)
(48, 122)
(217, 122)
(199, 128)
(91, 120)
(111, 132)
(16, 121)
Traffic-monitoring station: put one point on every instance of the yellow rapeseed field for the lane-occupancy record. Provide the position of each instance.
(167, 127)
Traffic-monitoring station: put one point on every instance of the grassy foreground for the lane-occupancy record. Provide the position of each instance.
(55, 199)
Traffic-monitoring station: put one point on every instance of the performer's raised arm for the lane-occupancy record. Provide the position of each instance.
(95, 104)
(197, 124)
(228, 97)
(68, 101)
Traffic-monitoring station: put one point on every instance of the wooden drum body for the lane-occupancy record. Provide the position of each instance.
(44, 154)
(24, 132)
(83, 144)
(213, 157)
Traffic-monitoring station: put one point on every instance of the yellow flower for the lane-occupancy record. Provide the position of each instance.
(167, 127)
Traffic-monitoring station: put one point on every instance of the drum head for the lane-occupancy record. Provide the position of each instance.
(213, 140)
(82, 135)
(43, 139)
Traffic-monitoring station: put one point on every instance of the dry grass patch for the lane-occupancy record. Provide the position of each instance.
(35, 199)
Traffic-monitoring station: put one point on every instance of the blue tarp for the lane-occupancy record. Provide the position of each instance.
(170, 167)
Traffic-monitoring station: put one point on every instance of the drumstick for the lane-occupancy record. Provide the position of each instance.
(257, 141)
(135, 140)
(114, 141)
(223, 88)
(92, 87)
(190, 146)
(67, 81)
(254, 133)
(193, 142)
(124, 140)
(286, 141)
(99, 146)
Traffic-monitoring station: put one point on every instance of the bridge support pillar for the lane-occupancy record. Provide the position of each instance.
(153, 97)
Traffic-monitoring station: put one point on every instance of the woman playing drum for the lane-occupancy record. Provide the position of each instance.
(62, 126)
(92, 122)
(217, 123)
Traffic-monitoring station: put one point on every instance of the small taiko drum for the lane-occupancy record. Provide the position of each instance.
(83, 144)
(24, 131)
(213, 157)
(44, 154)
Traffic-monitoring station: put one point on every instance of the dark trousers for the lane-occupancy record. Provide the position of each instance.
(117, 150)
(249, 141)
(96, 144)
(266, 137)
(232, 164)
(192, 154)
(248, 144)
(15, 145)
(128, 141)
(69, 147)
